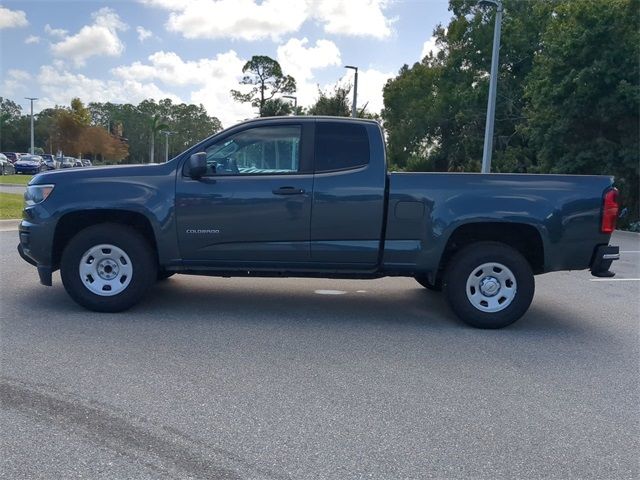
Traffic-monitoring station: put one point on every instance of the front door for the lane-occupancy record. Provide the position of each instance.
(253, 207)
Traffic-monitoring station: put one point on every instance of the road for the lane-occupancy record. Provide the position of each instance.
(314, 379)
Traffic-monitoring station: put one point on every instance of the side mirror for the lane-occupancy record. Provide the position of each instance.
(197, 165)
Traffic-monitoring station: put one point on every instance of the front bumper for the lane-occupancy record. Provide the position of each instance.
(603, 256)
(35, 248)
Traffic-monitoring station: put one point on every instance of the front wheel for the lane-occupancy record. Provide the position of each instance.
(489, 285)
(108, 267)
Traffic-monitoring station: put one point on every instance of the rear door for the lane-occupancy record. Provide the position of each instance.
(348, 194)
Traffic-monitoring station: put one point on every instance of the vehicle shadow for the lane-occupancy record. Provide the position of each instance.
(184, 299)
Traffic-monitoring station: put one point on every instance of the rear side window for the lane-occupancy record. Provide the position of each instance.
(340, 146)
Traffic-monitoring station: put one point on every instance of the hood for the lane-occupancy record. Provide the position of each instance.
(124, 172)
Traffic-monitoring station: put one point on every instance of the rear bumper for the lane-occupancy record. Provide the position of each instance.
(603, 256)
(32, 170)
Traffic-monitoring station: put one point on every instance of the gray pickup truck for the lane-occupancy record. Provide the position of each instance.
(311, 197)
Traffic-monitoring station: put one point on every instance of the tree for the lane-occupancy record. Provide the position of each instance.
(122, 131)
(80, 113)
(265, 74)
(435, 110)
(276, 107)
(584, 95)
(9, 113)
(98, 142)
(335, 104)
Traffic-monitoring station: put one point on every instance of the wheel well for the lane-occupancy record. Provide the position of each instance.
(524, 238)
(72, 223)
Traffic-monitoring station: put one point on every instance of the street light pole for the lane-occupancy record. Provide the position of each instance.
(354, 111)
(32, 99)
(295, 101)
(493, 85)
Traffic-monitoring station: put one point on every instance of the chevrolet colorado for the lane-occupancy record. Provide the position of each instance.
(311, 197)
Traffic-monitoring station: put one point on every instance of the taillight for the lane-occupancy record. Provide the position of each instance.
(609, 211)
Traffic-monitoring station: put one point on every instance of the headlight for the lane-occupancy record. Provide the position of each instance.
(37, 193)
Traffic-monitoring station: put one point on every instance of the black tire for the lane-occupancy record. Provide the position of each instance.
(474, 257)
(143, 263)
(164, 274)
(429, 286)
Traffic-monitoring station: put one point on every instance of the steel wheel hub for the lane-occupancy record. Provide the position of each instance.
(105, 270)
(491, 287)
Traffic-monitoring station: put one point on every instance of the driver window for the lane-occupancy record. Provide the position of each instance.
(256, 151)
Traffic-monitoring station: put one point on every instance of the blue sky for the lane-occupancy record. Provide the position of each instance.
(193, 50)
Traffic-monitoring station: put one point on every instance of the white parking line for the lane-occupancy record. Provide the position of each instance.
(629, 251)
(615, 279)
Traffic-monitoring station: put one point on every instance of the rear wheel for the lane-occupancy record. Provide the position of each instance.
(108, 267)
(489, 285)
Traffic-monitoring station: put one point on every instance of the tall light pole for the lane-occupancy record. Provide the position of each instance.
(493, 85)
(166, 134)
(295, 101)
(31, 99)
(354, 112)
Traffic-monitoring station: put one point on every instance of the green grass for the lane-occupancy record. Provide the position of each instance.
(15, 179)
(11, 205)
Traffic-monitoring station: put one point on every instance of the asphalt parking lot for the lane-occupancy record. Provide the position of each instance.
(306, 379)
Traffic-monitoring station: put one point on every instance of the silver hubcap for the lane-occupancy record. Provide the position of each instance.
(105, 270)
(491, 287)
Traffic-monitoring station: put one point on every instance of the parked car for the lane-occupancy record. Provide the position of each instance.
(77, 163)
(6, 167)
(86, 162)
(67, 162)
(12, 156)
(50, 161)
(311, 197)
(30, 164)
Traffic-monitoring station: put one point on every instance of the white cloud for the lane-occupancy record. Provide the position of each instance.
(238, 19)
(15, 81)
(299, 61)
(32, 39)
(211, 80)
(167, 4)
(430, 46)
(353, 17)
(55, 32)
(100, 38)
(255, 20)
(143, 33)
(59, 86)
(12, 18)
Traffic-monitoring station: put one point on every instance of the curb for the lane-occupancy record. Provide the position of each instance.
(10, 225)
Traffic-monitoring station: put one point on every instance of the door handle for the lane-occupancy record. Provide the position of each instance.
(288, 191)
